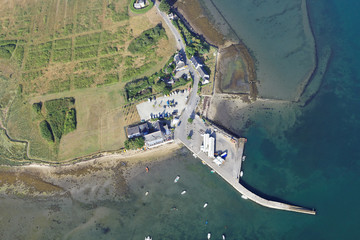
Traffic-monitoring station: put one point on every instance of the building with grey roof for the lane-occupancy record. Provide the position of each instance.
(153, 139)
(199, 67)
(138, 130)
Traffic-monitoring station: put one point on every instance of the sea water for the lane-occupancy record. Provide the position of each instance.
(317, 166)
(279, 37)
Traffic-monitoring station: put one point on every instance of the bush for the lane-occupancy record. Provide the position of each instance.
(46, 132)
(134, 143)
(37, 107)
(57, 110)
(194, 44)
(190, 120)
(147, 39)
(164, 6)
(70, 121)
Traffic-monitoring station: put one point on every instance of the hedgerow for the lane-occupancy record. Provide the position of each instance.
(46, 132)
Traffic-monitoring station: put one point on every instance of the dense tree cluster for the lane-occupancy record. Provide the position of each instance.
(164, 6)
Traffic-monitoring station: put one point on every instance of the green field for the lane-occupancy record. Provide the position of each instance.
(58, 48)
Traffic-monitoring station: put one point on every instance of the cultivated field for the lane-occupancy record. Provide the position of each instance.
(60, 48)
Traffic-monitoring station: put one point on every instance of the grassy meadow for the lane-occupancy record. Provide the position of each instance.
(79, 49)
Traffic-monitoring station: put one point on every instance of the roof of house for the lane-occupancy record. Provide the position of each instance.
(133, 130)
(138, 129)
(156, 126)
(195, 62)
(155, 136)
(179, 59)
(144, 127)
(203, 73)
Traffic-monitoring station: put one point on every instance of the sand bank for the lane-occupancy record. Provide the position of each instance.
(103, 178)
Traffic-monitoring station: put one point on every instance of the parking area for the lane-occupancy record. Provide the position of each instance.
(165, 106)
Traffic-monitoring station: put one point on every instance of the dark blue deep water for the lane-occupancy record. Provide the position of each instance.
(317, 166)
(322, 166)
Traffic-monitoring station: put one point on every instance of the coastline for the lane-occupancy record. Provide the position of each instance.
(73, 180)
(110, 156)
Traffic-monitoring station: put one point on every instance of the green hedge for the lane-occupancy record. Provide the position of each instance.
(70, 121)
(134, 143)
(143, 10)
(58, 111)
(46, 132)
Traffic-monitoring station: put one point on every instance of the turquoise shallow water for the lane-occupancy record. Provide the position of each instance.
(317, 165)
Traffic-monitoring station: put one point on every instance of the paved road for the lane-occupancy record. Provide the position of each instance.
(180, 44)
(181, 131)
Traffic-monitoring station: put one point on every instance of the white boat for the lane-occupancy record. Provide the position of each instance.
(148, 238)
(244, 197)
(223, 236)
(209, 235)
(177, 179)
(183, 192)
(243, 158)
(241, 173)
(147, 193)
(205, 205)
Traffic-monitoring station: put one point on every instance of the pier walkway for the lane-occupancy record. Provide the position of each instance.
(230, 170)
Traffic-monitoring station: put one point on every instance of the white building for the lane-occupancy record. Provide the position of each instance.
(208, 145)
(206, 142)
(139, 4)
(200, 68)
(211, 147)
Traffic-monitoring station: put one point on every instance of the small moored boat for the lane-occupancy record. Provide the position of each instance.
(209, 235)
(148, 238)
(147, 193)
(223, 236)
(183, 192)
(243, 158)
(244, 197)
(205, 205)
(241, 173)
(177, 179)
